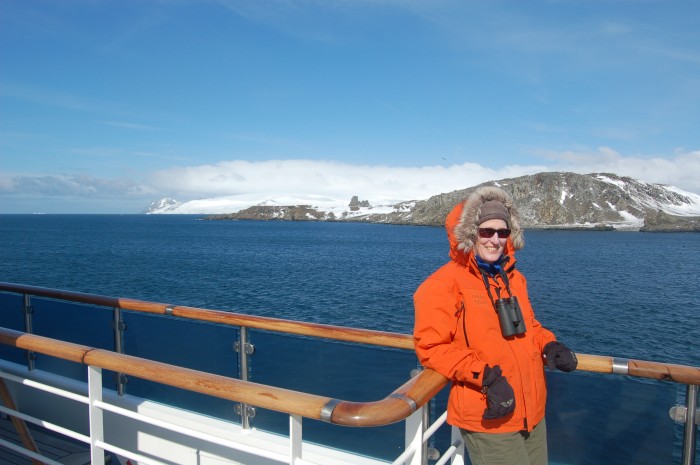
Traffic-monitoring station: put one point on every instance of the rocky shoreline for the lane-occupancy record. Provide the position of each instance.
(653, 222)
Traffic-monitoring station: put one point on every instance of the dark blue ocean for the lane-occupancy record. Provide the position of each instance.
(625, 294)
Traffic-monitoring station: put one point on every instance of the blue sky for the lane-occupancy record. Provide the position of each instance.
(106, 106)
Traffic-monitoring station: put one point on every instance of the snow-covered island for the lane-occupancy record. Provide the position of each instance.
(598, 201)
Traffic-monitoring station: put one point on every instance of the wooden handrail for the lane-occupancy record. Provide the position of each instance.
(639, 368)
(338, 333)
(395, 407)
(270, 397)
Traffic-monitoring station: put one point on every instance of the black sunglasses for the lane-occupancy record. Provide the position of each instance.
(488, 233)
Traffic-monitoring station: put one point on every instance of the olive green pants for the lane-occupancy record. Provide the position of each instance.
(520, 448)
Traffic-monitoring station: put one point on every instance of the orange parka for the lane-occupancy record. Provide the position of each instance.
(453, 303)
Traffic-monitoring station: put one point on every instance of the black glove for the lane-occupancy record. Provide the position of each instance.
(559, 356)
(500, 398)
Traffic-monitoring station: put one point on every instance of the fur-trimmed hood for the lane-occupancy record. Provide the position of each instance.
(461, 223)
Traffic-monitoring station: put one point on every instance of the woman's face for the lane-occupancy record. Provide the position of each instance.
(491, 248)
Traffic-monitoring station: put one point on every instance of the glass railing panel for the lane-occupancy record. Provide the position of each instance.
(594, 419)
(200, 346)
(71, 322)
(338, 370)
(12, 317)
(597, 419)
(190, 344)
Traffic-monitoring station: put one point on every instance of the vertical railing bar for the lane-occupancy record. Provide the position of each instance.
(96, 417)
(691, 402)
(243, 336)
(118, 327)
(28, 310)
(414, 432)
(243, 361)
(243, 358)
(295, 438)
(424, 439)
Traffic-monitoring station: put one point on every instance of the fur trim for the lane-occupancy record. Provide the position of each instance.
(466, 229)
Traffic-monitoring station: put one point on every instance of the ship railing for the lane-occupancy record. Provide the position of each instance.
(410, 402)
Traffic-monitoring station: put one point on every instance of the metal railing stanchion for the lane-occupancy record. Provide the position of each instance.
(28, 310)
(691, 402)
(118, 327)
(244, 349)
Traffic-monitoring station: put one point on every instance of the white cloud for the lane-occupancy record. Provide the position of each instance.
(383, 183)
(378, 183)
(336, 182)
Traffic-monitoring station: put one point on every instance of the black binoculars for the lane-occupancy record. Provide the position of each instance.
(510, 317)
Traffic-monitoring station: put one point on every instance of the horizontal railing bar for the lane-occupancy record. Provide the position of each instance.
(435, 426)
(411, 450)
(449, 453)
(405, 455)
(45, 388)
(339, 333)
(141, 459)
(45, 424)
(185, 430)
(33, 455)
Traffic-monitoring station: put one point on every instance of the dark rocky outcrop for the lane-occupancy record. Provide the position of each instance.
(663, 222)
(286, 213)
(355, 204)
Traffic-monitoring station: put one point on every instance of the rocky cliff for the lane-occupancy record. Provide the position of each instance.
(567, 200)
(663, 222)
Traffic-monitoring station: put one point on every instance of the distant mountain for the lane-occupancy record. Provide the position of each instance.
(163, 205)
(545, 200)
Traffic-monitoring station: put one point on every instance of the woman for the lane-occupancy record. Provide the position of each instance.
(475, 325)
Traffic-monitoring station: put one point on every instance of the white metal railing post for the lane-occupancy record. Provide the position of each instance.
(97, 454)
(415, 427)
(295, 438)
